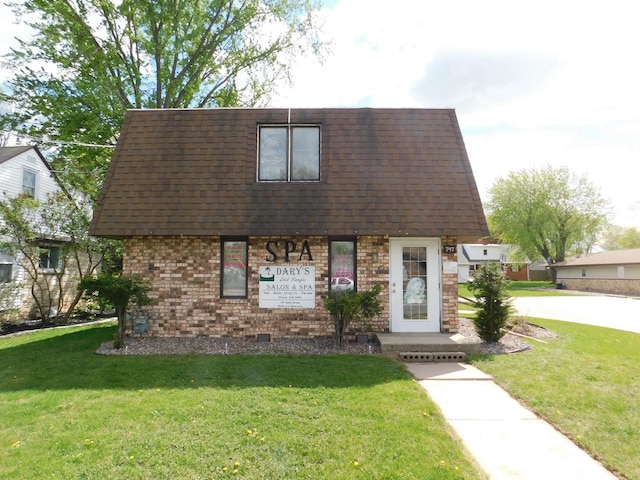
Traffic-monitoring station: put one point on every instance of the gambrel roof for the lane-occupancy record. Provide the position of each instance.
(396, 172)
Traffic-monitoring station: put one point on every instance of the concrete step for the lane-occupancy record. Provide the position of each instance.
(433, 343)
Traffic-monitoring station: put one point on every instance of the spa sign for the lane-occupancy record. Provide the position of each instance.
(287, 287)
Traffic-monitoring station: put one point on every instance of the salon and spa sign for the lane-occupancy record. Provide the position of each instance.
(287, 287)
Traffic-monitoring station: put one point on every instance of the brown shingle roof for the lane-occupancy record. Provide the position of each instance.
(383, 171)
(614, 257)
(7, 153)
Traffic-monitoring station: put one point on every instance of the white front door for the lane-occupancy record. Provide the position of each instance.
(414, 285)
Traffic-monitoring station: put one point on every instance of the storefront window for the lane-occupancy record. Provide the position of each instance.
(234, 268)
(343, 264)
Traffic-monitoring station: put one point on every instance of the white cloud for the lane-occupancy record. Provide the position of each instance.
(533, 83)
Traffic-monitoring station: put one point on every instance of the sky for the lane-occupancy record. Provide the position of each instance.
(532, 83)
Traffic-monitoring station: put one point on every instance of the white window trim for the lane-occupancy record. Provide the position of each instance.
(35, 182)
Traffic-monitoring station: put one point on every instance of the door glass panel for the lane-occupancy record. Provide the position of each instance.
(414, 281)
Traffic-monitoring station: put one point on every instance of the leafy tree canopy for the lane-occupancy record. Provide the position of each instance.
(547, 212)
(616, 237)
(91, 60)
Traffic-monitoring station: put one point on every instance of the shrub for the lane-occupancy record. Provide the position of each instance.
(489, 288)
(117, 292)
(347, 306)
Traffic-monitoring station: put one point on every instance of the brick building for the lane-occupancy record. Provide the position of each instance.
(244, 219)
(617, 272)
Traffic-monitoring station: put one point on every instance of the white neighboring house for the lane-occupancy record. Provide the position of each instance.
(472, 256)
(24, 170)
(617, 271)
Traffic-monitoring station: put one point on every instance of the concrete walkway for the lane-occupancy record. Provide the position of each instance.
(621, 313)
(507, 441)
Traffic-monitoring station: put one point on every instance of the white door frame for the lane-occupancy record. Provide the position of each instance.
(431, 314)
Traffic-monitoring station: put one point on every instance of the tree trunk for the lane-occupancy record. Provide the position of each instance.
(122, 326)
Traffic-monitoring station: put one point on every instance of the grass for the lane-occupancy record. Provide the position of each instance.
(68, 413)
(586, 383)
(522, 289)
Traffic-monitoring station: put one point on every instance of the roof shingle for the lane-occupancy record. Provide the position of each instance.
(383, 171)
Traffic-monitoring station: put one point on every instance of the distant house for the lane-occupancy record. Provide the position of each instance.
(617, 271)
(244, 219)
(24, 171)
(471, 256)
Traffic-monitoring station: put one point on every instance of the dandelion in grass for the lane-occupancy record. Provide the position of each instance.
(356, 463)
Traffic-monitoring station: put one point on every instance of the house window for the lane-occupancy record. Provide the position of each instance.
(342, 264)
(234, 268)
(29, 183)
(289, 153)
(6, 273)
(49, 258)
(583, 272)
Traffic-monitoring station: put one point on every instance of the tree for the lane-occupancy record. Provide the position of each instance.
(117, 292)
(91, 60)
(346, 306)
(547, 212)
(620, 238)
(5, 134)
(50, 240)
(489, 288)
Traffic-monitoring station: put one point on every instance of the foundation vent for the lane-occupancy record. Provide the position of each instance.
(432, 356)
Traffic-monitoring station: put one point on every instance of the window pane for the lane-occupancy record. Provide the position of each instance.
(49, 257)
(305, 161)
(5, 272)
(273, 153)
(54, 257)
(234, 273)
(343, 265)
(29, 183)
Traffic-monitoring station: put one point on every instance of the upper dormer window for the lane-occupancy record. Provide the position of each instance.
(29, 183)
(289, 153)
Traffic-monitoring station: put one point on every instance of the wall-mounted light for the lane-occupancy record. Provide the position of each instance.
(374, 257)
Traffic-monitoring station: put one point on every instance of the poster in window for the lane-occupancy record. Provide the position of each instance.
(234, 282)
(342, 265)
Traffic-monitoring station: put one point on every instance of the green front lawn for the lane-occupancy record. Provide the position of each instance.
(586, 383)
(522, 289)
(68, 413)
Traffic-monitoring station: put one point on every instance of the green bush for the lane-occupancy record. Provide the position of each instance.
(489, 288)
(117, 292)
(347, 306)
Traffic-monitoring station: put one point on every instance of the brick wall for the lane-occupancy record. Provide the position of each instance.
(450, 322)
(615, 286)
(185, 274)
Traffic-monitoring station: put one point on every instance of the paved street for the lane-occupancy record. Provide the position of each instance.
(622, 313)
